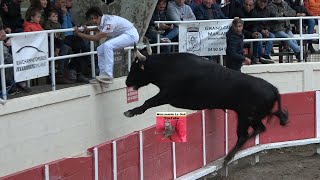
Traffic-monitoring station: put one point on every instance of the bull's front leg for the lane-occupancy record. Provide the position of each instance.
(156, 100)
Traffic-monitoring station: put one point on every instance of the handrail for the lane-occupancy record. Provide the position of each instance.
(51, 58)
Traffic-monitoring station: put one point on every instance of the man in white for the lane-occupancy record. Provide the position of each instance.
(121, 32)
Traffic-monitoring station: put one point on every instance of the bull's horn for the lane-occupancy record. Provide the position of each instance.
(141, 57)
(149, 50)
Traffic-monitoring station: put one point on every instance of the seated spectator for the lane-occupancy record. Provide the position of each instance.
(44, 6)
(192, 4)
(235, 55)
(178, 11)
(32, 20)
(78, 66)
(11, 16)
(170, 32)
(9, 75)
(263, 27)
(282, 29)
(250, 31)
(302, 11)
(313, 7)
(60, 48)
(208, 10)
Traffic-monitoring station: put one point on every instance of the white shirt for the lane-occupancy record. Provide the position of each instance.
(114, 25)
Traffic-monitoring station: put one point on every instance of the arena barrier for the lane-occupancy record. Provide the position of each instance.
(301, 37)
(210, 135)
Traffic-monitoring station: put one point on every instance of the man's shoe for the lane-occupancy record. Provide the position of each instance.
(94, 81)
(311, 49)
(255, 61)
(305, 56)
(106, 79)
(266, 61)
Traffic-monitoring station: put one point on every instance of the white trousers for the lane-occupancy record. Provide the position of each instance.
(105, 50)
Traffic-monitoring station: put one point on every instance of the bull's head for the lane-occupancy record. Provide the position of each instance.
(138, 76)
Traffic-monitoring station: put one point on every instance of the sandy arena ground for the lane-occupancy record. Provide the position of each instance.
(294, 163)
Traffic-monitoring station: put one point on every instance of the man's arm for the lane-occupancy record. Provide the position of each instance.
(95, 37)
(289, 12)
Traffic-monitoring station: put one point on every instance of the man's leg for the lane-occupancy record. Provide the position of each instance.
(269, 46)
(291, 43)
(310, 23)
(256, 50)
(106, 58)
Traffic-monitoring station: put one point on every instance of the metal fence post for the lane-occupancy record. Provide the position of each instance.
(53, 69)
(93, 64)
(3, 74)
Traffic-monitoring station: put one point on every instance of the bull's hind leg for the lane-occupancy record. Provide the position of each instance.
(242, 132)
(257, 127)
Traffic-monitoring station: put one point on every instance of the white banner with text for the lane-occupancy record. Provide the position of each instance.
(30, 56)
(204, 38)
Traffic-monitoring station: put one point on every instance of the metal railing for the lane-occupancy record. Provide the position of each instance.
(301, 37)
(51, 59)
(92, 52)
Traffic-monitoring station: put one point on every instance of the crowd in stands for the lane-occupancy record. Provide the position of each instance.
(185, 10)
(46, 15)
(56, 14)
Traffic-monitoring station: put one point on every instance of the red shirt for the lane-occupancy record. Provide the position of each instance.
(31, 26)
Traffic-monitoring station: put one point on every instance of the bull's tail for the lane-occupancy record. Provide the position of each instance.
(280, 113)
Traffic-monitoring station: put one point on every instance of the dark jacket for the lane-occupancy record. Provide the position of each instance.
(201, 12)
(235, 54)
(12, 19)
(280, 10)
(297, 7)
(249, 26)
(157, 16)
(261, 13)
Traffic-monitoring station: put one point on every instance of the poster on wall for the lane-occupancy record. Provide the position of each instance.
(30, 56)
(204, 38)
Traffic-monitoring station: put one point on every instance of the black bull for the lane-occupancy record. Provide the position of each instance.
(191, 82)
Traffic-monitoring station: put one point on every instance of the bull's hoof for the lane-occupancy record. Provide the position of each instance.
(128, 114)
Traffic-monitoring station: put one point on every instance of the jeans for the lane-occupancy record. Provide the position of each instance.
(291, 43)
(257, 46)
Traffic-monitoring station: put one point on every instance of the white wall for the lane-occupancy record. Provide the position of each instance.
(45, 127)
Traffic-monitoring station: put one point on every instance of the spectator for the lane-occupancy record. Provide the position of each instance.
(313, 7)
(122, 34)
(44, 6)
(192, 4)
(250, 31)
(32, 20)
(78, 66)
(208, 10)
(302, 11)
(282, 29)
(9, 75)
(178, 11)
(170, 32)
(11, 15)
(60, 48)
(263, 27)
(235, 55)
